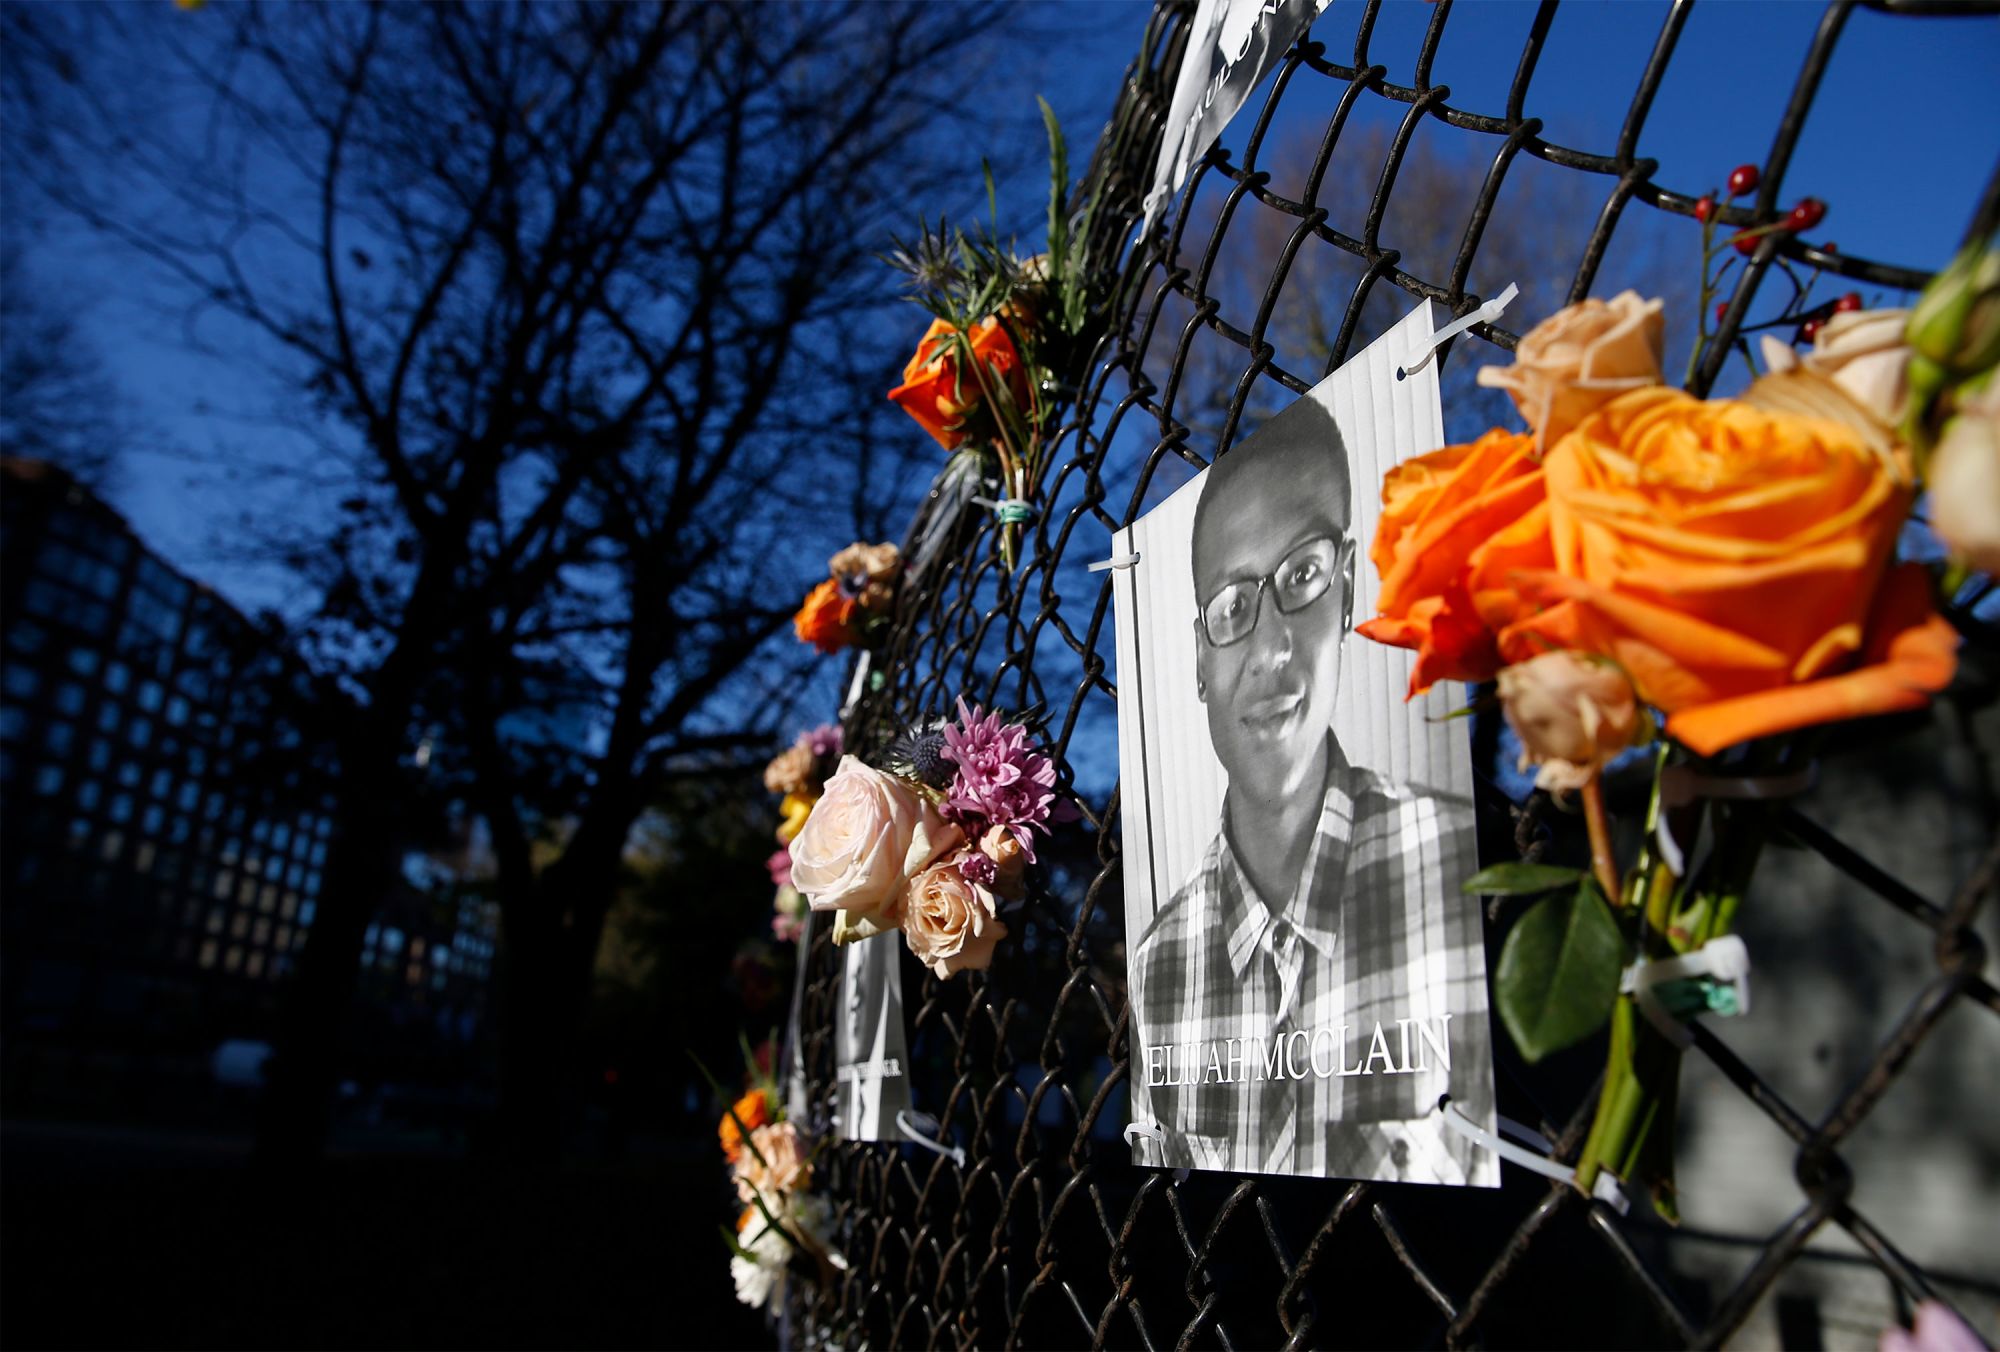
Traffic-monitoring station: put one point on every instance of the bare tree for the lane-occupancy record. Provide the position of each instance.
(580, 293)
(56, 401)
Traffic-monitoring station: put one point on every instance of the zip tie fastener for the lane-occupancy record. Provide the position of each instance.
(922, 1129)
(1485, 314)
(1010, 511)
(1120, 561)
(1681, 785)
(1714, 979)
(1605, 1189)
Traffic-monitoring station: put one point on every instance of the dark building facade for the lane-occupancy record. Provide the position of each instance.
(165, 816)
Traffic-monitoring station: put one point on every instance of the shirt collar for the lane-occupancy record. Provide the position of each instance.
(1313, 905)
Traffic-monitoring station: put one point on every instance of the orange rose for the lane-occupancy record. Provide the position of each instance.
(1442, 514)
(940, 396)
(754, 1108)
(1731, 560)
(826, 618)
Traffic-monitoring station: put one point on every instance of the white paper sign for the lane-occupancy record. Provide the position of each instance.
(871, 1068)
(1307, 977)
(1231, 45)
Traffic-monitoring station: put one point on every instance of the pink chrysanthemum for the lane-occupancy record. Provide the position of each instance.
(823, 741)
(1001, 780)
(780, 866)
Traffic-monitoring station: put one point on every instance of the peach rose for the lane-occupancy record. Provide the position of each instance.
(783, 1169)
(867, 573)
(950, 923)
(826, 619)
(1731, 561)
(1580, 358)
(1965, 481)
(1573, 714)
(1000, 846)
(940, 396)
(868, 833)
(790, 770)
(1444, 517)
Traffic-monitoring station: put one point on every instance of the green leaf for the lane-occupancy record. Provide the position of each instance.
(1558, 972)
(1521, 880)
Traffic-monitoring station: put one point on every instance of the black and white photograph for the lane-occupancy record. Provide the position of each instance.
(870, 1051)
(1307, 977)
(1232, 44)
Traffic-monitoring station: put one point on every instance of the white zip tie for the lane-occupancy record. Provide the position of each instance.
(1605, 1189)
(922, 1129)
(1485, 314)
(1725, 957)
(1116, 561)
(1681, 785)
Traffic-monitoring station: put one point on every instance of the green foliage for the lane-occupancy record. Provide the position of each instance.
(1521, 880)
(1559, 970)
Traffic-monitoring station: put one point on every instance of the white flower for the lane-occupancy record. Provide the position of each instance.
(761, 1277)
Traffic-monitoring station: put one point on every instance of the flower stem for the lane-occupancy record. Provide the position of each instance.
(1603, 862)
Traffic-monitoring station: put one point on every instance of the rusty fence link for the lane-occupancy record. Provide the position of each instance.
(1047, 1235)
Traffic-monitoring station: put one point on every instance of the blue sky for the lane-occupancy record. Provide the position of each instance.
(1899, 144)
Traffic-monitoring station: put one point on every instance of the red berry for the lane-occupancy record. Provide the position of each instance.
(1746, 244)
(1829, 247)
(1704, 207)
(1848, 302)
(1807, 331)
(1743, 178)
(1721, 309)
(1808, 213)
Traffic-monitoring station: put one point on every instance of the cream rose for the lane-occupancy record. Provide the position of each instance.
(1572, 714)
(1965, 481)
(949, 922)
(867, 834)
(1580, 358)
(1861, 353)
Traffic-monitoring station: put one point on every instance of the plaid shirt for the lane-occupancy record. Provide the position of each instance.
(1243, 1011)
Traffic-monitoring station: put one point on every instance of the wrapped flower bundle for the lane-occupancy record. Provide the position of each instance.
(1718, 576)
(854, 603)
(783, 1229)
(932, 846)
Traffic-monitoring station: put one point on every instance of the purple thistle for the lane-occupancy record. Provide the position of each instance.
(1001, 780)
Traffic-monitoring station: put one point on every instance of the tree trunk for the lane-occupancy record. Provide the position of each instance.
(361, 867)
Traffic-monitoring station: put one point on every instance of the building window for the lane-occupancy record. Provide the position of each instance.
(128, 774)
(267, 900)
(117, 677)
(288, 906)
(142, 858)
(216, 917)
(306, 909)
(13, 720)
(233, 959)
(100, 754)
(260, 932)
(284, 938)
(58, 738)
(121, 808)
(239, 925)
(141, 732)
(254, 968)
(22, 682)
(224, 880)
(48, 781)
(112, 845)
(177, 711)
(208, 953)
(150, 695)
(150, 822)
(84, 661)
(107, 717)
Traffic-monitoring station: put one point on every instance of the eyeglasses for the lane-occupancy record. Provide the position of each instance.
(1300, 579)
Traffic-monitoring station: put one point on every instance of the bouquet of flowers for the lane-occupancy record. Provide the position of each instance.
(784, 1228)
(984, 380)
(1710, 578)
(933, 843)
(799, 772)
(853, 604)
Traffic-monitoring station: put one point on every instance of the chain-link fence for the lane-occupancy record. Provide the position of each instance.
(1047, 1235)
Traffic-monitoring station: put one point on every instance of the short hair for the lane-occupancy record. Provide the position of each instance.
(1302, 445)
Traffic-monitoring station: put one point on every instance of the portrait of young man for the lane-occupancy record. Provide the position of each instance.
(1316, 980)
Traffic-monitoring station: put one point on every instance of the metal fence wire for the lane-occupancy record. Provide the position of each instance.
(1047, 1235)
